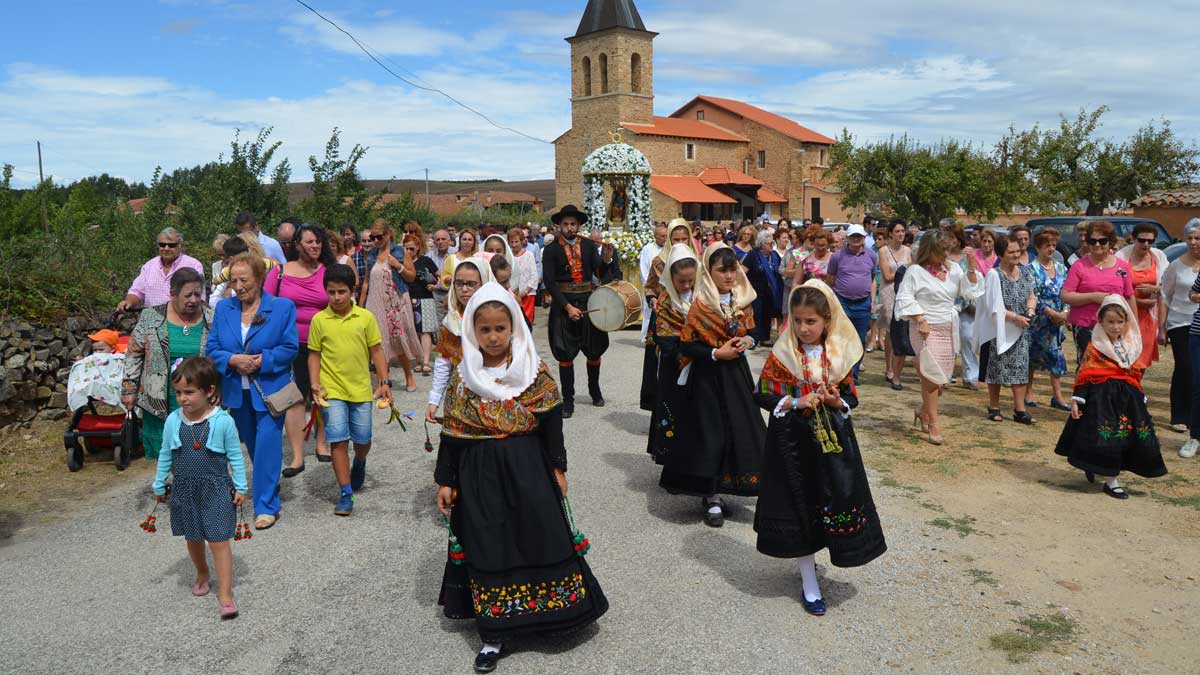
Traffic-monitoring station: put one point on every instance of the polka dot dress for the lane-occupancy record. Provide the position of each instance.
(202, 492)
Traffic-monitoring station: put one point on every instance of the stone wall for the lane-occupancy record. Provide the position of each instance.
(35, 364)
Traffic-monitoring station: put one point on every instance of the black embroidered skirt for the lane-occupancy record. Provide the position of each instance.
(812, 500)
(521, 572)
(1114, 434)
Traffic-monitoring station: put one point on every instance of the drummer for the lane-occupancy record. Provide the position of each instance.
(571, 268)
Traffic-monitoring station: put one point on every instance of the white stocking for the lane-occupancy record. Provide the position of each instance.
(808, 578)
(489, 648)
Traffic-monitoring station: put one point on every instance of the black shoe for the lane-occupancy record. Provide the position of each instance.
(714, 519)
(358, 474)
(816, 607)
(1091, 477)
(1059, 405)
(897, 386)
(1116, 492)
(1023, 417)
(291, 472)
(598, 402)
(568, 411)
(324, 458)
(486, 663)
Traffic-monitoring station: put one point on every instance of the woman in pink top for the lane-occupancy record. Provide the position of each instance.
(303, 282)
(985, 255)
(1091, 278)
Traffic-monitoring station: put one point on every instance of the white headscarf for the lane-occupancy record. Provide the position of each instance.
(842, 346)
(665, 254)
(522, 367)
(453, 320)
(508, 254)
(679, 252)
(706, 288)
(1131, 341)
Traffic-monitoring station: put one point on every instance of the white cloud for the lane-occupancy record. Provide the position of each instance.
(392, 37)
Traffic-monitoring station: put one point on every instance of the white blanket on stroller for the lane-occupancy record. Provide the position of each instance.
(98, 376)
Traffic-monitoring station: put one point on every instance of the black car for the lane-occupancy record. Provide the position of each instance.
(1068, 229)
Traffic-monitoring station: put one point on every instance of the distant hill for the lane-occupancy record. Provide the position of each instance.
(544, 189)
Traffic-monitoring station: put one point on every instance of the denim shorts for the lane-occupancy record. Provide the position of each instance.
(346, 421)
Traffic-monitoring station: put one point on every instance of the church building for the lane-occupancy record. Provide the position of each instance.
(713, 159)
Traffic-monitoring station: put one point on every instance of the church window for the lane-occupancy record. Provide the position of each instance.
(689, 151)
(700, 115)
(745, 166)
(635, 73)
(587, 76)
(604, 73)
(824, 157)
(762, 159)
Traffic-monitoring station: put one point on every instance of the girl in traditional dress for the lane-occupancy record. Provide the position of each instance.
(469, 277)
(1110, 429)
(514, 565)
(678, 232)
(814, 492)
(671, 424)
(727, 455)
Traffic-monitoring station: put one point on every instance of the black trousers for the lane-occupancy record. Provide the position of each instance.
(1181, 377)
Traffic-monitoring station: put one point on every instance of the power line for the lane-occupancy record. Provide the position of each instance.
(413, 84)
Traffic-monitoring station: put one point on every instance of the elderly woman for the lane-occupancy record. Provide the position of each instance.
(1096, 274)
(302, 281)
(253, 341)
(1149, 265)
(524, 282)
(1002, 323)
(768, 306)
(926, 299)
(779, 257)
(816, 263)
(1173, 326)
(1046, 333)
(164, 336)
(152, 287)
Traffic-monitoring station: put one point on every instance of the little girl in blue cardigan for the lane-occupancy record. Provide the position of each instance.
(200, 446)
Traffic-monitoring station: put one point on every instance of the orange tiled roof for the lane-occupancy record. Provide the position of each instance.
(767, 197)
(1184, 195)
(450, 204)
(681, 128)
(768, 119)
(723, 176)
(689, 190)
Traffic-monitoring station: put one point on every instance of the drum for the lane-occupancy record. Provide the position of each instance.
(615, 306)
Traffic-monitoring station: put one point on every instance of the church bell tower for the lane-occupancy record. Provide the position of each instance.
(612, 67)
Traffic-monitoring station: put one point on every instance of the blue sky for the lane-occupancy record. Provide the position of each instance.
(126, 85)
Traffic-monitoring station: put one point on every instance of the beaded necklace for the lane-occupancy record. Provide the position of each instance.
(822, 422)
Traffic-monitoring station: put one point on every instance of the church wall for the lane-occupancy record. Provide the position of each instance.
(715, 115)
(667, 154)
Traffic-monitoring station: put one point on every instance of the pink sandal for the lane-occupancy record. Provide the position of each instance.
(200, 589)
(229, 612)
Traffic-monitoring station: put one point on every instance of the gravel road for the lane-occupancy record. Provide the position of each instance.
(318, 593)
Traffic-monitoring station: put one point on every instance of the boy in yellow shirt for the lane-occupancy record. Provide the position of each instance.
(342, 340)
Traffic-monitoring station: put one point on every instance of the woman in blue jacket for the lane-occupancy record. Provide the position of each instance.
(253, 341)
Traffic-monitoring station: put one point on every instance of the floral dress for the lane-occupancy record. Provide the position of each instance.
(1046, 339)
(1012, 367)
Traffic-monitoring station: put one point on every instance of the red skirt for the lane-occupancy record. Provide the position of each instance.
(527, 305)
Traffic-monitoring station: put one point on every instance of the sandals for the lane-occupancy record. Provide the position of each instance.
(1023, 417)
(1059, 405)
(265, 522)
(994, 415)
(1031, 404)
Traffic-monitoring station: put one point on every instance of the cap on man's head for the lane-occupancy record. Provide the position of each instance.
(856, 230)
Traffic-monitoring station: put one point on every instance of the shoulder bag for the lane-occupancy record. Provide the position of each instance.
(898, 329)
(279, 402)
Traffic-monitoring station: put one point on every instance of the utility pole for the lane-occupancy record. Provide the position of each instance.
(42, 179)
(427, 190)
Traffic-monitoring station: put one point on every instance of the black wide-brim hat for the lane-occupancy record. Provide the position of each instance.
(569, 210)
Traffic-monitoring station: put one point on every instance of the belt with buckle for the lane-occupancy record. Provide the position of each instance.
(575, 288)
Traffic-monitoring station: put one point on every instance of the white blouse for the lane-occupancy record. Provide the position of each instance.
(922, 294)
(1176, 283)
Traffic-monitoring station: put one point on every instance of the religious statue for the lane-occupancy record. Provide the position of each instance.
(620, 201)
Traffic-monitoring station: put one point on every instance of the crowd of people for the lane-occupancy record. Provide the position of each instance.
(299, 323)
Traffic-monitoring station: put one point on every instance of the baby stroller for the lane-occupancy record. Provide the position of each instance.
(97, 379)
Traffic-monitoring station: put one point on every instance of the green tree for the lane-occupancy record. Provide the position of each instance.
(1073, 166)
(338, 194)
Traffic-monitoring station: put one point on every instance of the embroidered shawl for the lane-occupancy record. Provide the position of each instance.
(468, 416)
(707, 325)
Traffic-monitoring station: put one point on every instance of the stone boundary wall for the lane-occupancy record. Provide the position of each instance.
(35, 362)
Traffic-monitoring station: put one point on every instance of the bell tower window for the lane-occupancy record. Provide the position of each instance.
(604, 73)
(587, 76)
(635, 68)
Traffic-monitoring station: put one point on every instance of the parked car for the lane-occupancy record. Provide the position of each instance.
(1068, 229)
(1175, 251)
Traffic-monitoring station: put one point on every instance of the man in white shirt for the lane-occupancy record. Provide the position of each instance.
(246, 222)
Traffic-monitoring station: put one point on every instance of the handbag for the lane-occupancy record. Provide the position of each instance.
(279, 402)
(898, 329)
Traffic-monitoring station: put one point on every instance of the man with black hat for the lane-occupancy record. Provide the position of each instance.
(568, 265)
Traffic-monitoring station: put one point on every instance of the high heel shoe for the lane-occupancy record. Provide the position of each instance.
(935, 439)
(918, 418)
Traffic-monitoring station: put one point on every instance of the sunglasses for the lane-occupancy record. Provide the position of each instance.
(168, 244)
(376, 237)
(1148, 242)
(410, 249)
(466, 285)
(1101, 241)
